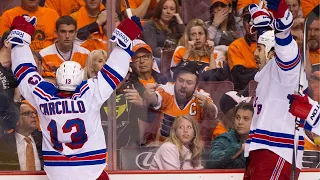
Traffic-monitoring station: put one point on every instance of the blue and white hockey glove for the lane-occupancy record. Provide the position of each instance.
(126, 32)
(22, 29)
(281, 13)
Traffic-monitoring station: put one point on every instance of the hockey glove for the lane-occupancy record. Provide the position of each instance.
(277, 7)
(305, 108)
(261, 19)
(281, 13)
(126, 32)
(22, 28)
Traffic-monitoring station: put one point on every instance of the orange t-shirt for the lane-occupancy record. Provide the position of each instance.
(179, 53)
(44, 35)
(83, 19)
(136, 3)
(244, 3)
(219, 129)
(145, 82)
(170, 109)
(64, 7)
(315, 57)
(52, 59)
(240, 53)
(94, 44)
(307, 6)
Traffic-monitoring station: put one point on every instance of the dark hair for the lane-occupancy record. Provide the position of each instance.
(3, 38)
(68, 20)
(244, 106)
(231, 20)
(157, 15)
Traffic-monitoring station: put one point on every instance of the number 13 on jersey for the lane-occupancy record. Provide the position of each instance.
(78, 138)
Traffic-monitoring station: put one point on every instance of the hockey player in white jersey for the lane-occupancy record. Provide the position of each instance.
(270, 144)
(73, 139)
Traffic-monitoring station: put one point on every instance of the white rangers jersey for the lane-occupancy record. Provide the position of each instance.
(272, 125)
(73, 139)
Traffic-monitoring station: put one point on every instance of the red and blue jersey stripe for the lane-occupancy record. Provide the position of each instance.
(286, 66)
(111, 76)
(81, 89)
(45, 91)
(54, 158)
(23, 69)
(274, 139)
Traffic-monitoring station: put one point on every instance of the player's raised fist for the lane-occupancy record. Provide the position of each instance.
(21, 30)
(126, 32)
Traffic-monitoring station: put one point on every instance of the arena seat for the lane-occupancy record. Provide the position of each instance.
(216, 89)
(191, 9)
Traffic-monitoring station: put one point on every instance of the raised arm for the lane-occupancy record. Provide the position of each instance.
(30, 83)
(286, 48)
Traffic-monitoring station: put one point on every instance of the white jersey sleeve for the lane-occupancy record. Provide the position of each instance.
(30, 82)
(287, 56)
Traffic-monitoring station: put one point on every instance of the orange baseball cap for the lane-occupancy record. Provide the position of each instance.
(223, 1)
(141, 45)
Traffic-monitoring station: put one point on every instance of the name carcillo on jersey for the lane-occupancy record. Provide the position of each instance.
(62, 107)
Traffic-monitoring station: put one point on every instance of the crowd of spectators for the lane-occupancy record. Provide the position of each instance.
(154, 108)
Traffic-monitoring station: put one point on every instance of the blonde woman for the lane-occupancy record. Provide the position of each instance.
(182, 149)
(96, 59)
(195, 46)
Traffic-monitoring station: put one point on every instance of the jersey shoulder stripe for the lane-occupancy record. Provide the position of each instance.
(81, 90)
(45, 91)
(23, 69)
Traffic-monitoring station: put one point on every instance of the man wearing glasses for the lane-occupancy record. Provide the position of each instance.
(21, 147)
(143, 73)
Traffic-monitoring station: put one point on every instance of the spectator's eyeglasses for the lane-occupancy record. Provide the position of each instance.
(144, 57)
(28, 113)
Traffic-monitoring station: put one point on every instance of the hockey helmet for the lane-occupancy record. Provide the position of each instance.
(69, 75)
(268, 40)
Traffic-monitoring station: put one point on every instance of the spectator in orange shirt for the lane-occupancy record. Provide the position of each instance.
(141, 8)
(222, 27)
(241, 60)
(194, 46)
(166, 24)
(64, 49)
(46, 18)
(92, 12)
(314, 43)
(181, 97)
(91, 37)
(64, 7)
